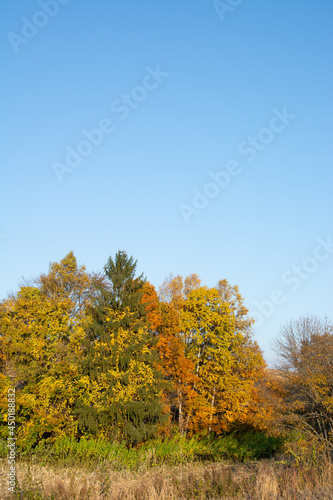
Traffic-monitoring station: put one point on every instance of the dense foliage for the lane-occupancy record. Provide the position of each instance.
(105, 358)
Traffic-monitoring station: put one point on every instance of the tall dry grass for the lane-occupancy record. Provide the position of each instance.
(260, 481)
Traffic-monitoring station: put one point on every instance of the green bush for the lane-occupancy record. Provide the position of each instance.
(177, 450)
(241, 447)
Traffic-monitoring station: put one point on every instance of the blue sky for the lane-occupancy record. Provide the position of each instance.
(178, 90)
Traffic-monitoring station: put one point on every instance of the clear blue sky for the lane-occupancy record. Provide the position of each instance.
(221, 81)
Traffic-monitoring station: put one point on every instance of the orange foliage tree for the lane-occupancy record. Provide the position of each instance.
(208, 333)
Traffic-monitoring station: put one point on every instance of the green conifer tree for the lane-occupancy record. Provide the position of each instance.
(120, 360)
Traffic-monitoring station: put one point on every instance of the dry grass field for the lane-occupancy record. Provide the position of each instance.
(254, 480)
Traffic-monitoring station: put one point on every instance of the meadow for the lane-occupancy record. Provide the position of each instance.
(251, 466)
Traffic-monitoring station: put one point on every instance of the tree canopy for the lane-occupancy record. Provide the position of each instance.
(106, 356)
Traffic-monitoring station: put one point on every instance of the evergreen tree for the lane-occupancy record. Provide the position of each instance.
(126, 290)
(120, 360)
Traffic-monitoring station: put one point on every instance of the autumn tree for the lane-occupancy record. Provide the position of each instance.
(267, 402)
(119, 362)
(178, 371)
(231, 295)
(39, 340)
(305, 364)
(42, 328)
(152, 307)
(214, 331)
(224, 360)
(176, 366)
(66, 280)
(175, 289)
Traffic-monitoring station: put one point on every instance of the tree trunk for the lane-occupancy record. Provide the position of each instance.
(212, 412)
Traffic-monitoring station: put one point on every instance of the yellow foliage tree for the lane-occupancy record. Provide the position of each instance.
(215, 330)
(225, 360)
(42, 328)
(39, 340)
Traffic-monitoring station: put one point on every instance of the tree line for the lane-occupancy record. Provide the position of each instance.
(105, 356)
